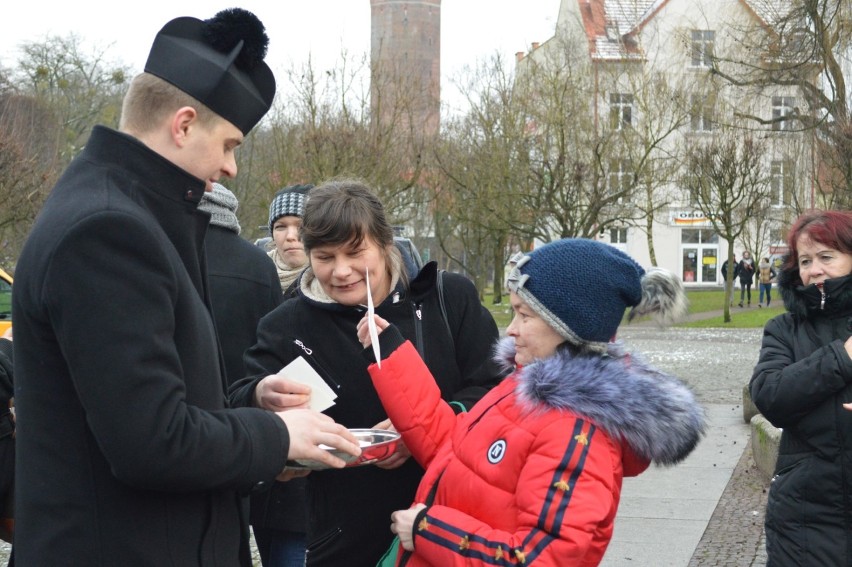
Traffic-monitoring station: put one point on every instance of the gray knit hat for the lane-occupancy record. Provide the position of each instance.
(289, 201)
(222, 206)
(582, 288)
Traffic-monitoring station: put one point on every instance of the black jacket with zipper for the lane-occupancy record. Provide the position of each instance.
(801, 380)
(350, 509)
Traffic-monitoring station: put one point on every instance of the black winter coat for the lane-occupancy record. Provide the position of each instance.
(350, 509)
(745, 271)
(244, 287)
(126, 454)
(801, 379)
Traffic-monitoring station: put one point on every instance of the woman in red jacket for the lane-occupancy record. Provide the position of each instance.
(532, 474)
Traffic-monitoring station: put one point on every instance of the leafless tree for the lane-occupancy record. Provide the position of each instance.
(806, 52)
(727, 182)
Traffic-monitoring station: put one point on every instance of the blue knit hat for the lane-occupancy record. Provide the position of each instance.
(582, 288)
(289, 201)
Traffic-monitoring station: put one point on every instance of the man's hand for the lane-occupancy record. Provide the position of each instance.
(402, 524)
(309, 429)
(279, 393)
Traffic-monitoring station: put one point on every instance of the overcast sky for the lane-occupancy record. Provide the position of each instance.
(471, 30)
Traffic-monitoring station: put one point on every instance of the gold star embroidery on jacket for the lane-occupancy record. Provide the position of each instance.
(562, 485)
(423, 525)
(498, 555)
(582, 439)
(521, 556)
(464, 543)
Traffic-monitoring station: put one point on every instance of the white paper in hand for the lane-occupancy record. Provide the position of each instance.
(371, 323)
(322, 396)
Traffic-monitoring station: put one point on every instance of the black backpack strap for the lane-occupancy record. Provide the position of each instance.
(443, 304)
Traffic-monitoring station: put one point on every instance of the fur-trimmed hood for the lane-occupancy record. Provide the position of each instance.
(654, 413)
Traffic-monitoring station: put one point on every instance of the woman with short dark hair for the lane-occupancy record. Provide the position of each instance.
(350, 245)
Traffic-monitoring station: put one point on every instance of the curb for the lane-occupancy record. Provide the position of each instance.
(765, 438)
(749, 409)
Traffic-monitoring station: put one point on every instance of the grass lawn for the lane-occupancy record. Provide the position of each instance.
(699, 302)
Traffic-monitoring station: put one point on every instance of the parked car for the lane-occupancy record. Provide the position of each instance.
(5, 301)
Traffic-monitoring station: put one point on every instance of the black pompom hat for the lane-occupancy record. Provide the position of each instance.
(219, 62)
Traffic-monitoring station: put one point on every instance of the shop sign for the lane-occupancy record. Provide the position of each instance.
(690, 218)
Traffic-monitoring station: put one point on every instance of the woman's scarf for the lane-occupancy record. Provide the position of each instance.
(286, 274)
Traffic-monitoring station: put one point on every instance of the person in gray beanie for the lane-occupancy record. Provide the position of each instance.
(244, 286)
(285, 221)
(541, 457)
(243, 281)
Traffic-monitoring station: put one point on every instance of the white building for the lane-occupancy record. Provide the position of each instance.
(630, 41)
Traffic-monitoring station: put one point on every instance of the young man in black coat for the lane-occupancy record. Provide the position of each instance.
(127, 453)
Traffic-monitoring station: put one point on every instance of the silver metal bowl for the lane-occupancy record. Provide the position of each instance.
(376, 445)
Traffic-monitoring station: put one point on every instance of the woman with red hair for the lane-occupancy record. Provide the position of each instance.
(801, 384)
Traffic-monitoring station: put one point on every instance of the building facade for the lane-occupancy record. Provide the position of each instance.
(654, 73)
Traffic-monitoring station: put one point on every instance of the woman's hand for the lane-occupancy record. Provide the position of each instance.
(399, 456)
(364, 329)
(402, 524)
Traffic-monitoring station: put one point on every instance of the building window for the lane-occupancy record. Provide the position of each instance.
(620, 111)
(618, 235)
(782, 107)
(703, 109)
(781, 181)
(702, 47)
(620, 177)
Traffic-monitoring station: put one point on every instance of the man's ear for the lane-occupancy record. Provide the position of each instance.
(182, 121)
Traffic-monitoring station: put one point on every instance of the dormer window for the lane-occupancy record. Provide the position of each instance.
(702, 47)
(612, 31)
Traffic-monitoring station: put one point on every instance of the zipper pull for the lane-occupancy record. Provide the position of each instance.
(419, 313)
(303, 347)
(822, 294)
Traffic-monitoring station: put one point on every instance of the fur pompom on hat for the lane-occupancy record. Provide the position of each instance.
(289, 201)
(582, 288)
(222, 206)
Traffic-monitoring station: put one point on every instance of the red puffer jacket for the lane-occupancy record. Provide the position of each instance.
(532, 474)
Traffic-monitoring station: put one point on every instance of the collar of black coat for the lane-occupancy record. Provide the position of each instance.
(120, 150)
(807, 301)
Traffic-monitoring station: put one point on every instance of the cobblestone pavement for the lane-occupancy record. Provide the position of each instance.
(716, 363)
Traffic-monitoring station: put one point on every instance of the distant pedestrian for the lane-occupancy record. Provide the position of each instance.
(745, 271)
(532, 474)
(802, 384)
(765, 277)
(733, 276)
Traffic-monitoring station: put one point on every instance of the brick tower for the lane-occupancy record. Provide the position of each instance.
(405, 57)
